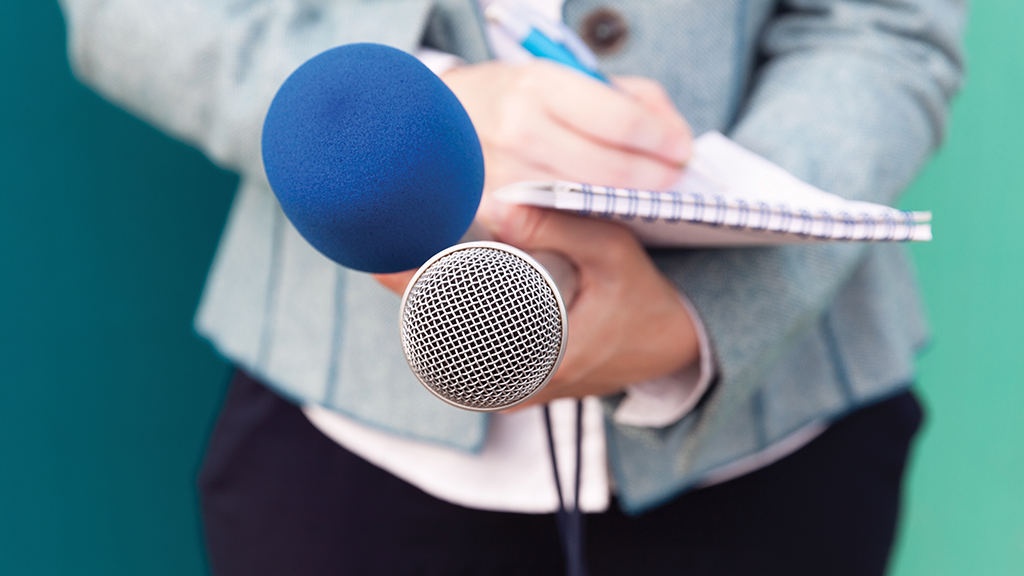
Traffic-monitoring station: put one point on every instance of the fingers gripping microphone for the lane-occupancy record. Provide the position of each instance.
(377, 165)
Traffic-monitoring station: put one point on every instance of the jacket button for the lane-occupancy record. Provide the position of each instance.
(604, 30)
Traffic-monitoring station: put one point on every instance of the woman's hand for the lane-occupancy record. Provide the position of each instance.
(543, 121)
(627, 323)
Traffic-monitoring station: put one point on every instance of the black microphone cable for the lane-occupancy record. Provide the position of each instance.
(570, 520)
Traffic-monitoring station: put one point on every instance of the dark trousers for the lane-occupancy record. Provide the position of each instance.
(279, 497)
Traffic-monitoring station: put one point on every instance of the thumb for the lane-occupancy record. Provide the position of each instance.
(513, 224)
(583, 240)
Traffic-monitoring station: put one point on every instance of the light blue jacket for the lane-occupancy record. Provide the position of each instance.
(849, 95)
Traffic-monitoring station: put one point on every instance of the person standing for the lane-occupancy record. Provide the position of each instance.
(810, 347)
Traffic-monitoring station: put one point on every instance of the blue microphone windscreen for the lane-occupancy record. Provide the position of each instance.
(372, 158)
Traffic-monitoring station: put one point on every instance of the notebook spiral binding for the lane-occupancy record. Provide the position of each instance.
(696, 208)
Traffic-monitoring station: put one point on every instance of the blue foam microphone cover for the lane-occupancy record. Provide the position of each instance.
(372, 158)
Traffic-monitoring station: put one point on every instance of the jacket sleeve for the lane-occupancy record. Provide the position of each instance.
(851, 96)
(205, 71)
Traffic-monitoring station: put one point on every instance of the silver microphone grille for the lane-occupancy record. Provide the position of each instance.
(483, 326)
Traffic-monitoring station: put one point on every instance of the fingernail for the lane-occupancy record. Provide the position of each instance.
(506, 221)
(491, 211)
(495, 215)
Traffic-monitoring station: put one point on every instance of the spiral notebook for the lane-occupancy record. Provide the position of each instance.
(729, 196)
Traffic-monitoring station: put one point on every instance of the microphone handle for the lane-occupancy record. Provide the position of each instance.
(558, 265)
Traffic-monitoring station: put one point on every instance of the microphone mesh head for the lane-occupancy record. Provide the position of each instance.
(482, 327)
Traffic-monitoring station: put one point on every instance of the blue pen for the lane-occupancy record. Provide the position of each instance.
(544, 38)
(555, 41)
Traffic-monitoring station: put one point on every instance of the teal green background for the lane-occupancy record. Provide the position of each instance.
(106, 395)
(965, 505)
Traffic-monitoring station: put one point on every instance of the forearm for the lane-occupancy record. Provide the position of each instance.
(206, 72)
(854, 95)
(852, 99)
